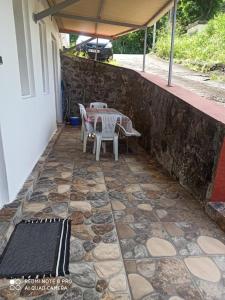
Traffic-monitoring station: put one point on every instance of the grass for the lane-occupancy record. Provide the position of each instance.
(217, 76)
(77, 53)
(200, 51)
(111, 62)
(85, 55)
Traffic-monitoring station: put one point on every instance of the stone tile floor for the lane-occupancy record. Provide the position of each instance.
(136, 233)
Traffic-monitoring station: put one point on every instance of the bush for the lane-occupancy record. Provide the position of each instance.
(204, 48)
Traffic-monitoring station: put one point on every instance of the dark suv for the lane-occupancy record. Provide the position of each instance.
(104, 51)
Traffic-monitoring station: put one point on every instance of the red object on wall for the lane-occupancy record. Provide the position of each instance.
(218, 194)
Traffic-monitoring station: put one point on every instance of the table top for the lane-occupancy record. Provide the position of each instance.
(124, 122)
(94, 111)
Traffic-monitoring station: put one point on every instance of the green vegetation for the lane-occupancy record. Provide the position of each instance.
(190, 11)
(83, 54)
(111, 62)
(73, 39)
(202, 50)
(73, 52)
(132, 43)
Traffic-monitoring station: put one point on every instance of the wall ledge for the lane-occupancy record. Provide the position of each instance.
(184, 131)
(210, 108)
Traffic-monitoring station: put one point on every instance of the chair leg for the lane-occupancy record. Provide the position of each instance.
(94, 146)
(127, 144)
(104, 147)
(136, 145)
(82, 133)
(115, 147)
(98, 148)
(85, 137)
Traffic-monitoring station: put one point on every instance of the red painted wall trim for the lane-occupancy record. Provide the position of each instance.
(218, 194)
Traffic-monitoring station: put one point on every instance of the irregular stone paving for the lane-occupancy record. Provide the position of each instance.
(136, 233)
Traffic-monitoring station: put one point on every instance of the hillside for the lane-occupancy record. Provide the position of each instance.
(203, 51)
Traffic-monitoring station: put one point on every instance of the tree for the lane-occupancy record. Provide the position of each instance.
(190, 11)
(133, 43)
(73, 38)
(130, 43)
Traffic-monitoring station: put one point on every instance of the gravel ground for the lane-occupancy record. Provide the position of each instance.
(195, 81)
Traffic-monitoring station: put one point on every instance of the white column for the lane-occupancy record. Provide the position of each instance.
(172, 42)
(154, 37)
(96, 52)
(145, 47)
(4, 193)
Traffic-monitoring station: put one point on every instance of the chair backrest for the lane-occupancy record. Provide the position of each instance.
(126, 123)
(108, 122)
(87, 125)
(98, 105)
(83, 112)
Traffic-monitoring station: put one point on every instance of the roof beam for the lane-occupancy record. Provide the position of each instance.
(147, 24)
(71, 31)
(153, 18)
(127, 31)
(79, 45)
(84, 43)
(101, 21)
(53, 10)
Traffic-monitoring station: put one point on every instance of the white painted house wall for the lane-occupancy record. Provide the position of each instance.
(65, 39)
(27, 123)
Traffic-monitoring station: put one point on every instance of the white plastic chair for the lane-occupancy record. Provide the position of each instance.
(83, 116)
(127, 127)
(87, 129)
(98, 105)
(127, 130)
(88, 133)
(108, 133)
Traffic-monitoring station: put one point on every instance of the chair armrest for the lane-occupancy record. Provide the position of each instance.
(134, 132)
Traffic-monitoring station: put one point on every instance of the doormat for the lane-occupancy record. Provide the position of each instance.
(37, 249)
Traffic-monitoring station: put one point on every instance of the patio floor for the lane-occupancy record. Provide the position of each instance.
(136, 233)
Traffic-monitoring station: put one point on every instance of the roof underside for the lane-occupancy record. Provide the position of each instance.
(109, 18)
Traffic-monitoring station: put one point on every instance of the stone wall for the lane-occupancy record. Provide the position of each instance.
(185, 140)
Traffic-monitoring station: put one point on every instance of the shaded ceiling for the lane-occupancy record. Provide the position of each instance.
(109, 18)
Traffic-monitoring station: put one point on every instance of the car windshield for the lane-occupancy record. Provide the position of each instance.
(83, 38)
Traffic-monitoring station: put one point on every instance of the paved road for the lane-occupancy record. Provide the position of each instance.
(197, 82)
